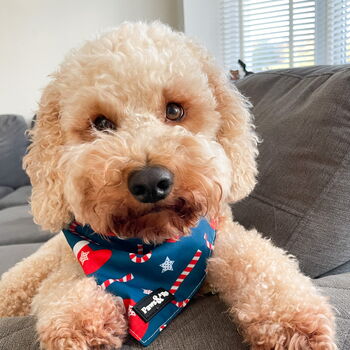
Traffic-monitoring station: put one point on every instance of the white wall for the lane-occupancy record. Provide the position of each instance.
(36, 34)
(202, 21)
(215, 24)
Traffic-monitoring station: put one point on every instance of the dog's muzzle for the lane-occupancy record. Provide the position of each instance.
(150, 184)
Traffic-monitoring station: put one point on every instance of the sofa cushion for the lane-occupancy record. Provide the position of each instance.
(344, 268)
(18, 197)
(13, 145)
(13, 253)
(18, 333)
(302, 199)
(337, 288)
(16, 226)
(5, 190)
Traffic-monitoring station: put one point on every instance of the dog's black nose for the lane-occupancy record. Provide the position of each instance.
(150, 184)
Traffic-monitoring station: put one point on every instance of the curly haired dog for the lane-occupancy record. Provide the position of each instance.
(145, 96)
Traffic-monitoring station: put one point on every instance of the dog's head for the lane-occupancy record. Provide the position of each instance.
(139, 134)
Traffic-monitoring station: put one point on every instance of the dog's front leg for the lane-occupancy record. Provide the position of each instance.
(19, 285)
(74, 313)
(274, 304)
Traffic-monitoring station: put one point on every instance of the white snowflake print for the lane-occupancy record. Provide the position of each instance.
(84, 257)
(147, 291)
(167, 265)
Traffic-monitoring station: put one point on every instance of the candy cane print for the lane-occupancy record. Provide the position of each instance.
(139, 249)
(186, 271)
(108, 282)
(162, 327)
(181, 303)
(209, 245)
(73, 228)
(140, 259)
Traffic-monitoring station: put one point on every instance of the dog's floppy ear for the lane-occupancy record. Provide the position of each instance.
(41, 163)
(236, 133)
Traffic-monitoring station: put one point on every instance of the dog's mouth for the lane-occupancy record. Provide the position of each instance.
(179, 207)
(159, 222)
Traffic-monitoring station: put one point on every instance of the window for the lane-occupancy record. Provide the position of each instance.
(285, 33)
(338, 31)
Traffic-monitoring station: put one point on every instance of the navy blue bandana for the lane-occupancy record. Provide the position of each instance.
(155, 282)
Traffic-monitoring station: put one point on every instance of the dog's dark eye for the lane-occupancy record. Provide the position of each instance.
(174, 111)
(101, 123)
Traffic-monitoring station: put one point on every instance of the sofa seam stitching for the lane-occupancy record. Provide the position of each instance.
(332, 179)
(280, 206)
(329, 273)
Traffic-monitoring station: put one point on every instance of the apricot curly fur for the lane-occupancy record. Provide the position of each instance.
(129, 75)
(84, 325)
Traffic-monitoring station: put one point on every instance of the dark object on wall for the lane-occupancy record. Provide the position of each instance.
(243, 65)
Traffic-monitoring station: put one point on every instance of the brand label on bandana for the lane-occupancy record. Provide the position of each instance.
(150, 305)
(156, 282)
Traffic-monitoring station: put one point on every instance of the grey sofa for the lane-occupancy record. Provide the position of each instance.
(302, 201)
(19, 236)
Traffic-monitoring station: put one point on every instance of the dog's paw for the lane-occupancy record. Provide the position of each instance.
(308, 330)
(93, 328)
